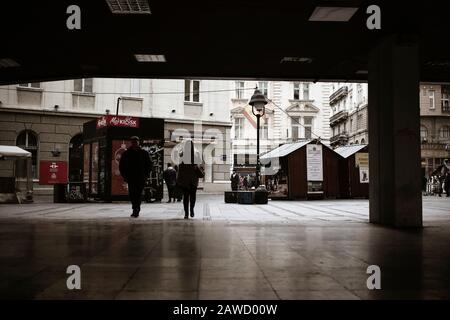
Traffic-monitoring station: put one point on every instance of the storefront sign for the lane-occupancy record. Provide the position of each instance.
(314, 162)
(362, 162)
(117, 121)
(52, 172)
(362, 159)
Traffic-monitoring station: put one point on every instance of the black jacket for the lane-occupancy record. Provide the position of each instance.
(188, 175)
(170, 176)
(234, 179)
(135, 165)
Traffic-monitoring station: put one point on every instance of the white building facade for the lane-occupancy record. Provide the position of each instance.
(349, 114)
(296, 111)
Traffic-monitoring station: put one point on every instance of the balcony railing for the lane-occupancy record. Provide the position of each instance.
(338, 117)
(339, 139)
(338, 94)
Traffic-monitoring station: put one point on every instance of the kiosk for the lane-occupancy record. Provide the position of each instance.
(301, 170)
(105, 139)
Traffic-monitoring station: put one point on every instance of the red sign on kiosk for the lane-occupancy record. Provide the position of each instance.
(117, 121)
(52, 172)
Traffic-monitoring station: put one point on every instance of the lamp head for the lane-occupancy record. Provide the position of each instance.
(258, 102)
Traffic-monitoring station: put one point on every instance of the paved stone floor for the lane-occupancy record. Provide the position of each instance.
(283, 250)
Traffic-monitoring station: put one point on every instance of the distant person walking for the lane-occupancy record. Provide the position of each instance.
(135, 167)
(188, 177)
(234, 181)
(447, 183)
(170, 178)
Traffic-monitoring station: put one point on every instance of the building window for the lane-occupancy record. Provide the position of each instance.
(192, 90)
(238, 128)
(423, 133)
(308, 124)
(356, 142)
(295, 127)
(265, 130)
(240, 89)
(264, 88)
(30, 85)
(445, 99)
(351, 126)
(305, 91)
(83, 85)
(359, 122)
(359, 96)
(432, 100)
(363, 141)
(296, 90)
(28, 140)
(445, 132)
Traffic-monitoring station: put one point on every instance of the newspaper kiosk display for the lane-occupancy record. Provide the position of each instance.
(105, 139)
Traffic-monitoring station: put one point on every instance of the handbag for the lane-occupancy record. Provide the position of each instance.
(199, 172)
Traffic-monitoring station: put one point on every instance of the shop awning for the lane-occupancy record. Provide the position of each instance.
(13, 151)
(347, 151)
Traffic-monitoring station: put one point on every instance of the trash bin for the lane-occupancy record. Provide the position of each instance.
(59, 193)
(231, 196)
(245, 197)
(261, 195)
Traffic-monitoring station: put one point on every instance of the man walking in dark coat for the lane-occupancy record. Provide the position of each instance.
(135, 167)
(170, 178)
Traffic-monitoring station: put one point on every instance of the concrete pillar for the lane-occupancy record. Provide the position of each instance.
(394, 122)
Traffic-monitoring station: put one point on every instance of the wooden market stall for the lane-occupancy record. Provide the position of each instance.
(354, 171)
(302, 170)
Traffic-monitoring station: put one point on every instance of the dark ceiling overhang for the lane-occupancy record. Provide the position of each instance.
(224, 39)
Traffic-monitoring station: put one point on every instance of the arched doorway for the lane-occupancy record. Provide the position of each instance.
(28, 140)
(76, 158)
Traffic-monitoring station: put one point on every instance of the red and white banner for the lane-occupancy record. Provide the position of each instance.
(117, 121)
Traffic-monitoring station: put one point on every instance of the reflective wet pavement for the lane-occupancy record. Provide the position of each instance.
(283, 250)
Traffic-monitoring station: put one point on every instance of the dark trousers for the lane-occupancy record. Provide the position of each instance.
(189, 197)
(135, 192)
(171, 191)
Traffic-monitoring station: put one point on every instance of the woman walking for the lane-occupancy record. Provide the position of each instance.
(188, 175)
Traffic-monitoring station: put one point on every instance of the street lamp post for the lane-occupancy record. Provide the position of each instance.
(258, 103)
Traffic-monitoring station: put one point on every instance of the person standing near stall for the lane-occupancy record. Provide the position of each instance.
(234, 181)
(135, 167)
